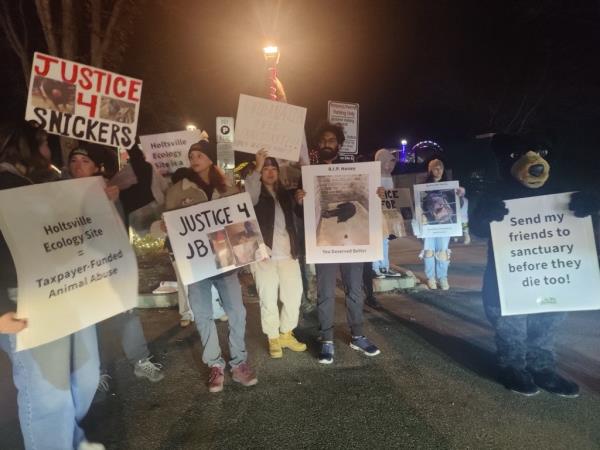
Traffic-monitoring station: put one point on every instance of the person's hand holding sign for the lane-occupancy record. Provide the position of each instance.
(299, 196)
(261, 155)
(112, 192)
(9, 324)
(381, 192)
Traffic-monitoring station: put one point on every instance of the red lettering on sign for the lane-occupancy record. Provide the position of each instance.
(47, 62)
(118, 91)
(134, 87)
(91, 104)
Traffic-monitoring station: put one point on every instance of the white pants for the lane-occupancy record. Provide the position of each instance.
(279, 279)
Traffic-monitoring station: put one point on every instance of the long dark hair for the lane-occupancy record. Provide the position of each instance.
(215, 179)
(21, 146)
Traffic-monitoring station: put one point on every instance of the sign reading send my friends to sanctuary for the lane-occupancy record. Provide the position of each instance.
(545, 257)
(214, 237)
(74, 264)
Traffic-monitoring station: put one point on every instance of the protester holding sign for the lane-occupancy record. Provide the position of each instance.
(330, 138)
(50, 413)
(209, 184)
(85, 163)
(435, 253)
(278, 277)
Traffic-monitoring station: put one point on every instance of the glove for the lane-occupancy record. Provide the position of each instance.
(584, 203)
(495, 209)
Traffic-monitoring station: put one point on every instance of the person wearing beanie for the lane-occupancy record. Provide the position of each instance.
(205, 183)
(277, 278)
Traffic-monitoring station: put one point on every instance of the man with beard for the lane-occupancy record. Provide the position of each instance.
(330, 139)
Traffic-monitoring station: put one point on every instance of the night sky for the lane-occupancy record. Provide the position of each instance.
(441, 70)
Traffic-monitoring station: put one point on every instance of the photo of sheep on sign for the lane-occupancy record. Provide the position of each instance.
(342, 212)
(436, 207)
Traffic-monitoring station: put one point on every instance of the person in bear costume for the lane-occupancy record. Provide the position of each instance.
(524, 343)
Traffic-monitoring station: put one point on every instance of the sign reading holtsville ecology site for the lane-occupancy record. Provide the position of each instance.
(169, 151)
(74, 264)
(83, 102)
(545, 257)
(215, 237)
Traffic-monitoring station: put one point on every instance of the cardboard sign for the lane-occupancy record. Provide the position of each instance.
(437, 209)
(225, 130)
(83, 102)
(275, 126)
(342, 212)
(169, 151)
(74, 263)
(397, 212)
(346, 114)
(215, 237)
(545, 257)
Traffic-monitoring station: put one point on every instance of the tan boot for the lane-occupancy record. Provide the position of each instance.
(431, 283)
(275, 348)
(288, 340)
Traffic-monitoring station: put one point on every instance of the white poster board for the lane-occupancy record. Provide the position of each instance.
(397, 212)
(169, 151)
(545, 257)
(275, 126)
(345, 114)
(437, 209)
(342, 212)
(75, 266)
(214, 237)
(83, 102)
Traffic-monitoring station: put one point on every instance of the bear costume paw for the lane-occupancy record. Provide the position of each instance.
(584, 203)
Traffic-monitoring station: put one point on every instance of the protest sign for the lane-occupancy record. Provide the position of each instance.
(545, 257)
(83, 102)
(346, 114)
(74, 263)
(214, 237)
(275, 126)
(397, 211)
(342, 212)
(169, 151)
(436, 207)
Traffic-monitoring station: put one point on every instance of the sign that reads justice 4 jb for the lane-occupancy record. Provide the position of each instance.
(73, 259)
(215, 237)
(545, 257)
(169, 151)
(83, 102)
(275, 126)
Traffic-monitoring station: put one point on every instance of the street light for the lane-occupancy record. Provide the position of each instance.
(271, 54)
(191, 127)
(403, 152)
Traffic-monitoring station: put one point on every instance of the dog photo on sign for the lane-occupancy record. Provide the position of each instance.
(439, 207)
(342, 210)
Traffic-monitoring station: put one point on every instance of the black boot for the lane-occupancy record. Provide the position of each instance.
(552, 382)
(518, 380)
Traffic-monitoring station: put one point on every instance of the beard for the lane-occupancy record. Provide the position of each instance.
(327, 153)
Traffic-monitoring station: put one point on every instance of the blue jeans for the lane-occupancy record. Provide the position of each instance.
(133, 341)
(436, 257)
(230, 292)
(385, 262)
(56, 383)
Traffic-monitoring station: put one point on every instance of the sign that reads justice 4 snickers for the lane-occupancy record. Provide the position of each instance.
(83, 102)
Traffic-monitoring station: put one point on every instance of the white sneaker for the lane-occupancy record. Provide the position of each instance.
(467, 239)
(224, 318)
(392, 273)
(149, 370)
(444, 286)
(86, 445)
(431, 283)
(104, 383)
(378, 274)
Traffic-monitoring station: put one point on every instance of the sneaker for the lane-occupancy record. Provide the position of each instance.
(87, 445)
(288, 340)
(466, 239)
(224, 318)
(431, 283)
(378, 274)
(216, 379)
(552, 382)
(104, 383)
(519, 381)
(444, 286)
(244, 375)
(275, 348)
(326, 353)
(362, 344)
(372, 302)
(391, 273)
(184, 323)
(149, 370)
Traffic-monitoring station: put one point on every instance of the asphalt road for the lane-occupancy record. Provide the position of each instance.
(432, 387)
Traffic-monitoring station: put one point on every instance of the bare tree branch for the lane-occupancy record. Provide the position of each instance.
(110, 28)
(69, 33)
(45, 16)
(19, 43)
(95, 11)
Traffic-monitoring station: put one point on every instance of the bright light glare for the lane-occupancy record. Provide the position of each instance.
(404, 142)
(270, 50)
(191, 127)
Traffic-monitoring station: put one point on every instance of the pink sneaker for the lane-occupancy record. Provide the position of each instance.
(244, 375)
(216, 379)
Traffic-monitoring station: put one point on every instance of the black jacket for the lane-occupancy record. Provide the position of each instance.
(265, 214)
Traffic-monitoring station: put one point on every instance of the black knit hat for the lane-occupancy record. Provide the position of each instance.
(92, 153)
(205, 147)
